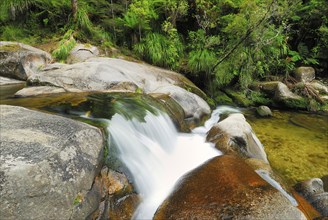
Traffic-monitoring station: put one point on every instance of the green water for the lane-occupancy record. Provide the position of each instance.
(296, 143)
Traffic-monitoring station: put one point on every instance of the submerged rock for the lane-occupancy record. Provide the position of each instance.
(20, 61)
(234, 135)
(48, 164)
(226, 188)
(304, 74)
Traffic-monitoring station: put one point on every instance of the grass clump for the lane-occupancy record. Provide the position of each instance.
(65, 46)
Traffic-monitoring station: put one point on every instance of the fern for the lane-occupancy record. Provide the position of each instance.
(65, 46)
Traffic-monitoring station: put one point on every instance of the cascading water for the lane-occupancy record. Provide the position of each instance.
(157, 155)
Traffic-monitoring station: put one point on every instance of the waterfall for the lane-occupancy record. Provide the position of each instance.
(157, 155)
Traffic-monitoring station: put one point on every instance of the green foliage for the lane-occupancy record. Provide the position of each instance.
(12, 33)
(259, 98)
(161, 50)
(65, 46)
(216, 43)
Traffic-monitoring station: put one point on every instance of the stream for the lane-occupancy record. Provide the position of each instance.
(157, 155)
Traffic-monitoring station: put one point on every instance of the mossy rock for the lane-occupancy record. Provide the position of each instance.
(302, 103)
(10, 47)
(239, 98)
(223, 99)
(259, 98)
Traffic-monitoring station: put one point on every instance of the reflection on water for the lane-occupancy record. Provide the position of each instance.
(9, 90)
(296, 143)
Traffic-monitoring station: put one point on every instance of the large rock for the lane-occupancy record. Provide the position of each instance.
(194, 107)
(106, 74)
(48, 164)
(234, 135)
(82, 52)
(226, 188)
(304, 74)
(20, 61)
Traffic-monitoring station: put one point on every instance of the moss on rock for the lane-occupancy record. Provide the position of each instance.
(239, 98)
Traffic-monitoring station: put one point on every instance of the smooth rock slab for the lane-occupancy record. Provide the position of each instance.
(47, 161)
(225, 187)
(107, 74)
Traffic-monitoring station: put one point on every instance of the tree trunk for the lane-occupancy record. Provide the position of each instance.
(74, 8)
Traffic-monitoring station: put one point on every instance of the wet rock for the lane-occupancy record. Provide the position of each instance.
(304, 74)
(263, 111)
(82, 52)
(226, 188)
(38, 90)
(325, 182)
(19, 61)
(7, 81)
(123, 208)
(194, 107)
(314, 192)
(115, 196)
(106, 74)
(234, 135)
(48, 164)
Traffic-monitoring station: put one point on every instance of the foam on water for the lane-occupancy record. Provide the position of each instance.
(157, 155)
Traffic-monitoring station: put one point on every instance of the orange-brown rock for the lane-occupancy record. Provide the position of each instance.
(305, 206)
(225, 187)
(124, 208)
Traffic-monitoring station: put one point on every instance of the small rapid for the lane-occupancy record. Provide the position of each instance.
(157, 155)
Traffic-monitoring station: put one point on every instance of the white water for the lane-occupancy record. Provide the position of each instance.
(157, 156)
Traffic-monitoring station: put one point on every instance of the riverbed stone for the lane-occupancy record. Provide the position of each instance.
(107, 74)
(313, 191)
(225, 187)
(20, 61)
(264, 111)
(304, 74)
(38, 90)
(234, 135)
(82, 52)
(48, 164)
